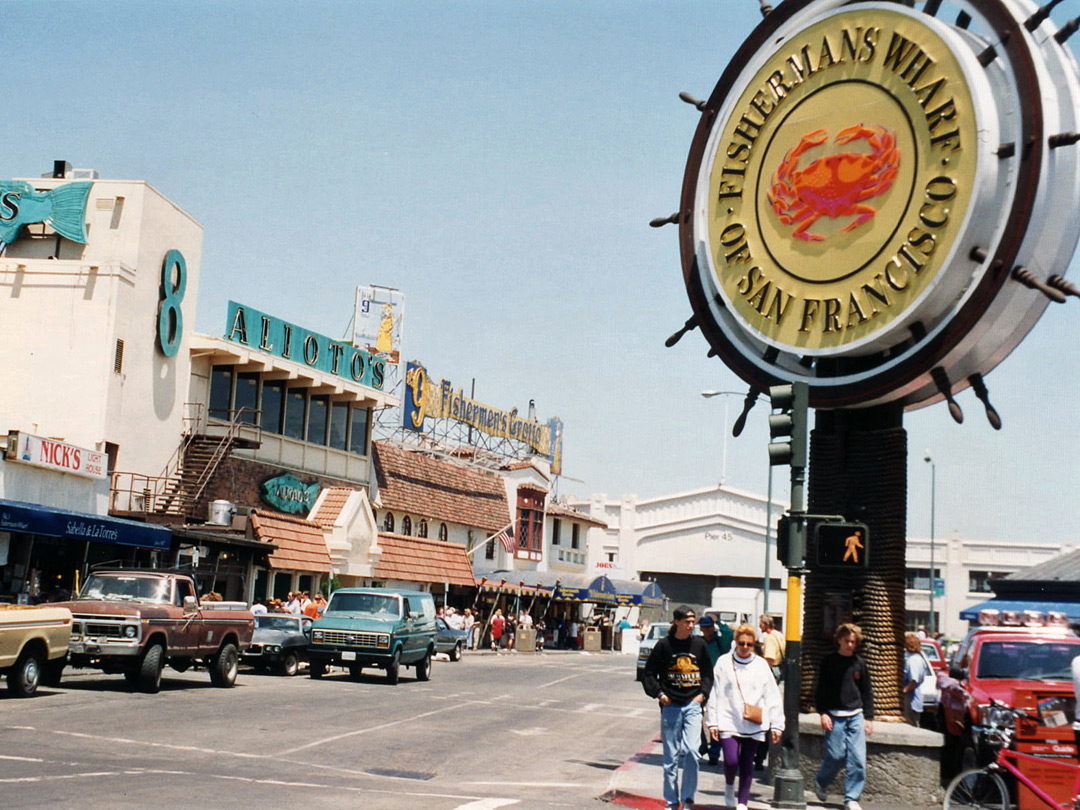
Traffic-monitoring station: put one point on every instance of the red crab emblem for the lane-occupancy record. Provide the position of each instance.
(835, 185)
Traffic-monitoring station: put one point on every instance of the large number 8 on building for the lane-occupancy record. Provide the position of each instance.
(170, 317)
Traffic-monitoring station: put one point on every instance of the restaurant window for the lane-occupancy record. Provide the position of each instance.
(246, 397)
(406, 526)
(421, 528)
(221, 378)
(339, 425)
(575, 535)
(273, 401)
(388, 522)
(530, 524)
(979, 581)
(295, 405)
(556, 529)
(358, 430)
(489, 549)
(444, 533)
(318, 416)
(918, 579)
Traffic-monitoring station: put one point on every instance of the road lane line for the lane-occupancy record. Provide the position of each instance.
(487, 804)
(22, 759)
(560, 680)
(369, 729)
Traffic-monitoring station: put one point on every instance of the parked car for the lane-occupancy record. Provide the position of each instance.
(448, 640)
(33, 646)
(280, 642)
(374, 627)
(656, 631)
(934, 654)
(1024, 667)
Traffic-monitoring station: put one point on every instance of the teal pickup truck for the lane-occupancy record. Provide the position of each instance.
(374, 627)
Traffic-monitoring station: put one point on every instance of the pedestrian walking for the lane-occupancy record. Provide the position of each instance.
(916, 668)
(846, 704)
(716, 649)
(744, 710)
(678, 675)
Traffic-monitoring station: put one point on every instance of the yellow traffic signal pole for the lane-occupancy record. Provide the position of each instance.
(788, 786)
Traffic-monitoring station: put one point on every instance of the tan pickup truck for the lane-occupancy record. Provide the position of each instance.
(33, 646)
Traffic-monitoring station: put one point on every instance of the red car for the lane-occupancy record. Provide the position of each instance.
(934, 654)
(1027, 668)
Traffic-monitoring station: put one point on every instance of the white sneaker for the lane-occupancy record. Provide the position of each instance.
(819, 791)
(852, 805)
(729, 795)
(740, 807)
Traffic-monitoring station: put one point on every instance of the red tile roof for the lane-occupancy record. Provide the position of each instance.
(561, 510)
(439, 490)
(300, 543)
(413, 559)
(333, 502)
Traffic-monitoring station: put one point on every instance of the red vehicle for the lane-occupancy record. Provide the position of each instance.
(934, 654)
(1024, 667)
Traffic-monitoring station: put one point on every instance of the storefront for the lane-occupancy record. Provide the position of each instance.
(45, 551)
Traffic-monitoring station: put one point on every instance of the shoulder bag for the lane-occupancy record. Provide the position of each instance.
(750, 712)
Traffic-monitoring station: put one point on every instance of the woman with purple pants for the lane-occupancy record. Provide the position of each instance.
(743, 708)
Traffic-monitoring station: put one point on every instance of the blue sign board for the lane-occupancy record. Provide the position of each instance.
(29, 518)
(62, 208)
(265, 333)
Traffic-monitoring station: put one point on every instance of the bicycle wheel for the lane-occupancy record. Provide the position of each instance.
(977, 789)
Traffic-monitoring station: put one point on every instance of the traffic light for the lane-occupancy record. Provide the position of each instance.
(842, 545)
(788, 427)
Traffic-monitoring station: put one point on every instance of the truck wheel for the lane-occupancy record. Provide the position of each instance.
(316, 669)
(423, 668)
(53, 671)
(393, 669)
(290, 664)
(149, 677)
(455, 654)
(24, 677)
(224, 665)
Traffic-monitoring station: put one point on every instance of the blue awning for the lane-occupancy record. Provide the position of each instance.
(29, 518)
(1070, 609)
(633, 592)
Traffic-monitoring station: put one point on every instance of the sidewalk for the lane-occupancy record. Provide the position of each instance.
(638, 783)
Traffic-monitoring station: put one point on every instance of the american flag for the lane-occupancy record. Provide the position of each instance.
(506, 537)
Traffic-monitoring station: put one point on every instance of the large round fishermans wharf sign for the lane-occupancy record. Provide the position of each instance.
(877, 193)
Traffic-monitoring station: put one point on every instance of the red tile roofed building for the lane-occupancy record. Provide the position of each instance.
(301, 549)
(348, 526)
(414, 560)
(413, 484)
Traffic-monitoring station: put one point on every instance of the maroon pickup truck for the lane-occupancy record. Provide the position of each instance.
(135, 621)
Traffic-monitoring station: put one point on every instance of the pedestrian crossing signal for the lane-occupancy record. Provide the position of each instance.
(842, 545)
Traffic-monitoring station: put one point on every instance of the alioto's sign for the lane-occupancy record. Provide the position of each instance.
(251, 328)
(864, 180)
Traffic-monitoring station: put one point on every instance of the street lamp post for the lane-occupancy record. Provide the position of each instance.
(768, 502)
(933, 501)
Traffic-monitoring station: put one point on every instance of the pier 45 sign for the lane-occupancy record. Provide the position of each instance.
(867, 190)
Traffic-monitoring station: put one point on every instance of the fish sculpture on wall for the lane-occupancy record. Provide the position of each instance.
(62, 208)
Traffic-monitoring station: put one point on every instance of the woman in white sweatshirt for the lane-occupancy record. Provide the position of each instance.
(742, 680)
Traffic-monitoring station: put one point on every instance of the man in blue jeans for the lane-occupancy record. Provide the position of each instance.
(679, 676)
(846, 704)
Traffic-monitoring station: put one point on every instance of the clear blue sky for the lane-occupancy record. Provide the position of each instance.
(498, 162)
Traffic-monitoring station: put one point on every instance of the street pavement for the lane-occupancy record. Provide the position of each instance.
(558, 731)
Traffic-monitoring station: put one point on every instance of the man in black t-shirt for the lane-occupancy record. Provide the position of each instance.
(678, 674)
(846, 704)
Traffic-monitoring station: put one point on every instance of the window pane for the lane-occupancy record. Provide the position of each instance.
(273, 396)
(358, 431)
(247, 397)
(339, 424)
(295, 401)
(318, 409)
(220, 391)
